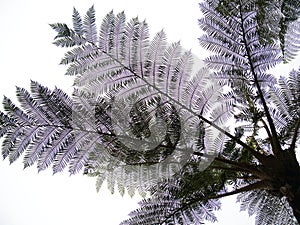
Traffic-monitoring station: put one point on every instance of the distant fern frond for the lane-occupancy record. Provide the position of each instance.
(285, 97)
(269, 209)
(241, 61)
(291, 44)
(169, 204)
(289, 29)
(276, 20)
(234, 36)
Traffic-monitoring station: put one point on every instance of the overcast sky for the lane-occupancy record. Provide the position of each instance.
(26, 53)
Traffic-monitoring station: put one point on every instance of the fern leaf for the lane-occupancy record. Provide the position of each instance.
(66, 152)
(181, 74)
(89, 26)
(77, 23)
(166, 70)
(22, 142)
(131, 38)
(106, 39)
(142, 46)
(82, 156)
(285, 96)
(65, 42)
(31, 107)
(289, 28)
(155, 54)
(62, 30)
(14, 113)
(58, 142)
(9, 142)
(36, 147)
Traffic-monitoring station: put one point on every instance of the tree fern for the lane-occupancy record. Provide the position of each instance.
(143, 119)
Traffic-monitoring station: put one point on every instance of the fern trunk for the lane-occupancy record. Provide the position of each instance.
(289, 172)
(295, 204)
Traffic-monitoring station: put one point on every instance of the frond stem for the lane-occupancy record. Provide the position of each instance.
(295, 135)
(274, 137)
(232, 169)
(70, 128)
(258, 185)
(253, 186)
(242, 167)
(266, 128)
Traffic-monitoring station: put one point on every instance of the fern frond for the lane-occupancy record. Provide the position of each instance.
(248, 71)
(170, 204)
(127, 68)
(269, 209)
(289, 28)
(43, 129)
(236, 40)
(285, 97)
(83, 133)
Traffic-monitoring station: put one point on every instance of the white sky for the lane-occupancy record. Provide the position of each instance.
(26, 52)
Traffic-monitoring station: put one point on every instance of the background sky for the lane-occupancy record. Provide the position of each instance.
(26, 53)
